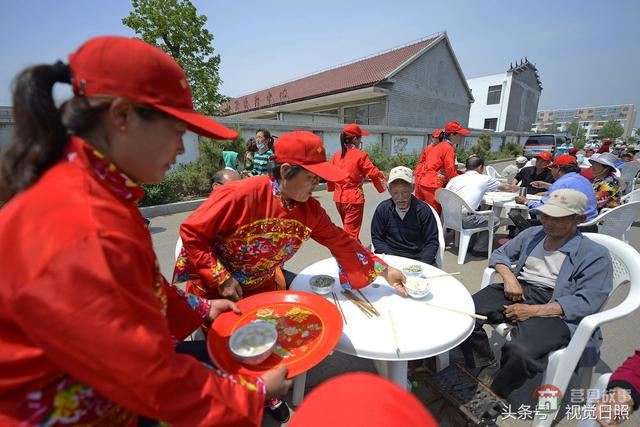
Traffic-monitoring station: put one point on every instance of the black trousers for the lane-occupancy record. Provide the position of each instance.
(531, 341)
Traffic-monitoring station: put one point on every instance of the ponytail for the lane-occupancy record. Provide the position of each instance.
(344, 141)
(39, 137)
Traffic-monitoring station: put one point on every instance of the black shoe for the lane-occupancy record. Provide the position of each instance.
(488, 373)
(491, 414)
(280, 412)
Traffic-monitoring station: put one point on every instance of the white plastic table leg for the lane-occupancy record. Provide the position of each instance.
(382, 367)
(442, 361)
(398, 372)
(299, 384)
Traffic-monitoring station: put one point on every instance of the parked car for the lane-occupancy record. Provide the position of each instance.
(537, 144)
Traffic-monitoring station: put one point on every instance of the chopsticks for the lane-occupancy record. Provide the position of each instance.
(442, 275)
(455, 310)
(394, 334)
(368, 310)
(337, 303)
(368, 302)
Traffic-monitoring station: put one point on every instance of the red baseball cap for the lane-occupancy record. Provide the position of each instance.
(455, 127)
(133, 69)
(353, 130)
(545, 155)
(436, 133)
(563, 160)
(306, 149)
(372, 401)
(574, 151)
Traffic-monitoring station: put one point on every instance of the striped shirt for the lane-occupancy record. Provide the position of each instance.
(261, 163)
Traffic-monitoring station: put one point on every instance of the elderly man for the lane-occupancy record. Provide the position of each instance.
(538, 172)
(404, 225)
(566, 173)
(560, 276)
(223, 176)
(471, 186)
(512, 170)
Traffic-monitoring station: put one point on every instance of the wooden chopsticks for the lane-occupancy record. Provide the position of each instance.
(368, 302)
(367, 308)
(337, 303)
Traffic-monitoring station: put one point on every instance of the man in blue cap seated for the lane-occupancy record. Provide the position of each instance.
(560, 276)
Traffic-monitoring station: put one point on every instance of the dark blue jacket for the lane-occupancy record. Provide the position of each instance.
(415, 236)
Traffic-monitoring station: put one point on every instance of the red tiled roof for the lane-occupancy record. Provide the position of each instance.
(359, 74)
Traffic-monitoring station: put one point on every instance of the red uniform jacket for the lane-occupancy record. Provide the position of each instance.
(437, 165)
(627, 376)
(88, 323)
(356, 162)
(246, 229)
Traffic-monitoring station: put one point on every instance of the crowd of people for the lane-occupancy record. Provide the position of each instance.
(92, 332)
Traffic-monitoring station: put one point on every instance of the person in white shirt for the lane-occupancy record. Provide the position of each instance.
(471, 186)
(512, 170)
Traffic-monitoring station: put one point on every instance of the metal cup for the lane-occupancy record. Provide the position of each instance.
(523, 192)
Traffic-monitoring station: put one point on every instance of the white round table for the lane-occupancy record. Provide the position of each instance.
(507, 202)
(422, 331)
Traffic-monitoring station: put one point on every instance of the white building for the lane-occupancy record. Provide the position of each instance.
(506, 101)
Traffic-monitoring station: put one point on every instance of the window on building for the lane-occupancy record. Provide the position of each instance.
(491, 123)
(494, 95)
(370, 114)
(332, 112)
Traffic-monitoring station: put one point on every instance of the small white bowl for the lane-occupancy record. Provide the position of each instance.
(417, 287)
(321, 284)
(253, 343)
(407, 270)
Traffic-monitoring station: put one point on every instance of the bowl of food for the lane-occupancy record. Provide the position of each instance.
(253, 343)
(413, 270)
(417, 287)
(322, 284)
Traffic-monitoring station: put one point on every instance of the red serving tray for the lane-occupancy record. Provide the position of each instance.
(309, 328)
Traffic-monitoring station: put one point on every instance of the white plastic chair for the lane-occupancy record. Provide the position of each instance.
(493, 173)
(562, 363)
(616, 222)
(587, 418)
(628, 174)
(453, 209)
(634, 196)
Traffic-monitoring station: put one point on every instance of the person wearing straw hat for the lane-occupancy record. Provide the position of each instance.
(234, 241)
(348, 194)
(89, 324)
(439, 164)
(403, 225)
(560, 276)
(605, 183)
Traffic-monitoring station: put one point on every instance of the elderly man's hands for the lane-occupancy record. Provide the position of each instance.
(521, 200)
(520, 312)
(513, 290)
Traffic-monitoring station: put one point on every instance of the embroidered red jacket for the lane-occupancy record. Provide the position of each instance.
(246, 229)
(88, 323)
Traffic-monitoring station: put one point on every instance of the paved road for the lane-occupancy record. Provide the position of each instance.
(621, 338)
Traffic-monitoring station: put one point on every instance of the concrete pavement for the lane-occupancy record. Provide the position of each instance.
(620, 338)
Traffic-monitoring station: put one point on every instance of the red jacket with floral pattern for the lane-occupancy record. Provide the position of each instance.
(88, 324)
(246, 229)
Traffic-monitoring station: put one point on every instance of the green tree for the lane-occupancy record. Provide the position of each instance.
(638, 133)
(552, 127)
(575, 129)
(611, 130)
(175, 27)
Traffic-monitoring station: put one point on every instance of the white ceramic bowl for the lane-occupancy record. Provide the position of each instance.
(417, 287)
(253, 343)
(321, 284)
(412, 270)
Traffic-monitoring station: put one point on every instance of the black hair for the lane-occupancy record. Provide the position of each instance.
(267, 136)
(291, 172)
(569, 169)
(344, 141)
(474, 162)
(42, 130)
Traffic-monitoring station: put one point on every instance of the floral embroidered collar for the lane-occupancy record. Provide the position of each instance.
(104, 170)
(277, 193)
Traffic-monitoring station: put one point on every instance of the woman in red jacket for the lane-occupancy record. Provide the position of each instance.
(438, 164)
(89, 325)
(348, 195)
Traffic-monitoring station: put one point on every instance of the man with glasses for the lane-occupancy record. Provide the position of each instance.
(403, 225)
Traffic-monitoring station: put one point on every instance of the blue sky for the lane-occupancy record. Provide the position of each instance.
(587, 52)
